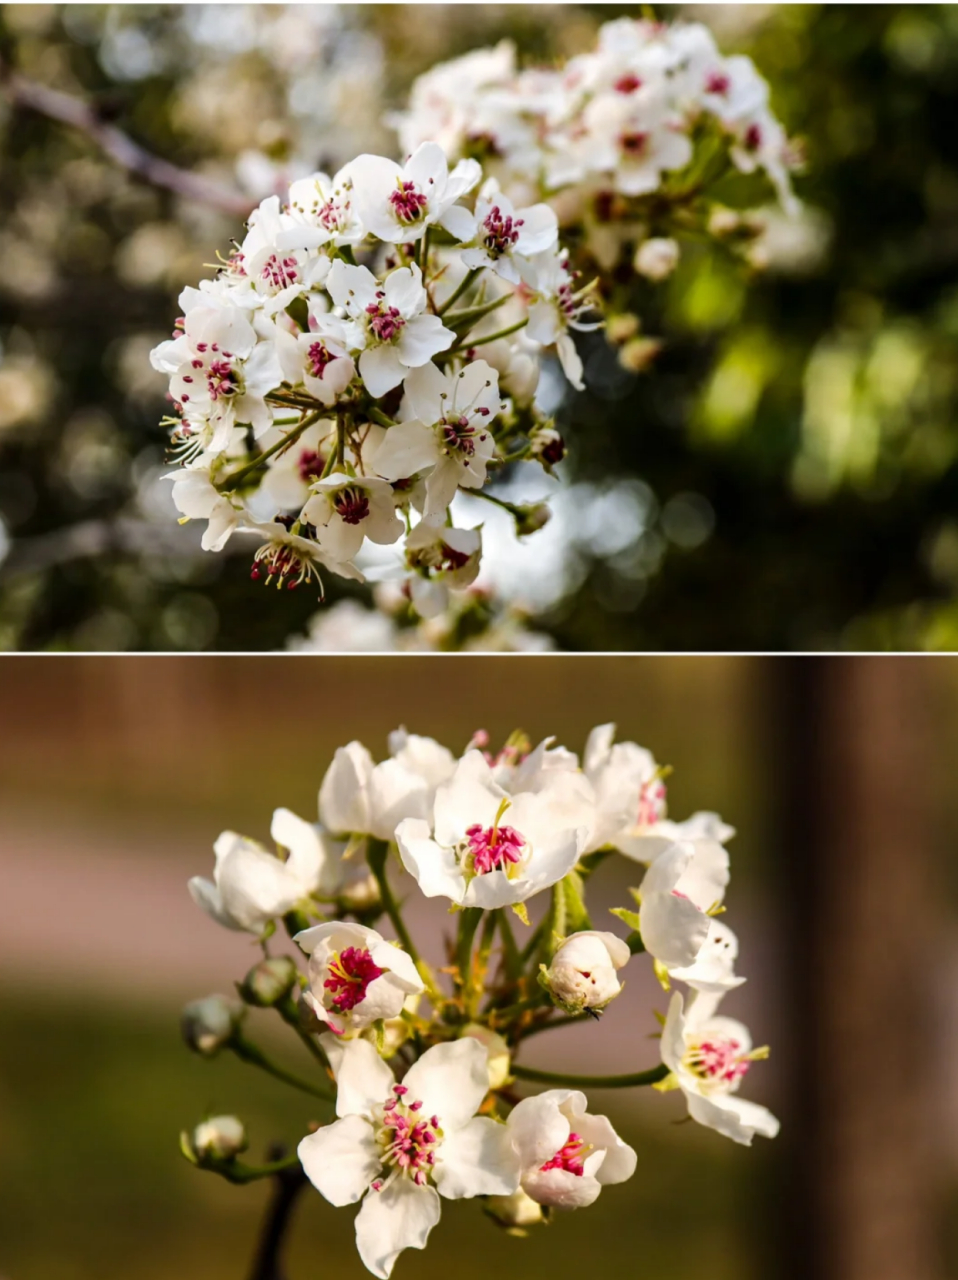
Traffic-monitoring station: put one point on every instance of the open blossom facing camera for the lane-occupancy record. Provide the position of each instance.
(355, 976)
(400, 1147)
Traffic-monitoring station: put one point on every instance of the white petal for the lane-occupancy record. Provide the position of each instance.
(451, 1080)
(733, 1117)
(309, 861)
(255, 886)
(400, 1217)
(538, 1127)
(477, 1160)
(343, 805)
(381, 369)
(394, 794)
(434, 867)
(341, 1159)
(363, 1079)
(406, 448)
(206, 895)
(619, 1162)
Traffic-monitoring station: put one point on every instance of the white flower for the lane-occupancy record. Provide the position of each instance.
(347, 509)
(355, 976)
(399, 1147)
(503, 232)
(448, 435)
(292, 470)
(397, 203)
(450, 554)
(251, 886)
(708, 1057)
(485, 850)
(276, 256)
(656, 258)
(361, 797)
(679, 889)
(566, 1155)
(584, 970)
(319, 359)
(713, 969)
(629, 791)
(221, 373)
(197, 498)
(290, 560)
(398, 335)
(556, 308)
(327, 203)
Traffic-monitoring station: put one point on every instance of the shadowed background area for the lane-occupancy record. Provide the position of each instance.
(784, 477)
(115, 777)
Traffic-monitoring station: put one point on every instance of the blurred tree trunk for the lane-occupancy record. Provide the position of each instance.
(853, 747)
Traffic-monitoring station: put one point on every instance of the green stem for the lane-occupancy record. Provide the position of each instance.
(289, 1012)
(232, 481)
(246, 1051)
(635, 1081)
(234, 1171)
(489, 337)
(341, 442)
(469, 919)
(376, 851)
(468, 279)
(422, 256)
(509, 947)
(377, 415)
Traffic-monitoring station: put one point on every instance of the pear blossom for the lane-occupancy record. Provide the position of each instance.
(504, 232)
(713, 969)
(347, 509)
(399, 334)
(449, 433)
(398, 202)
(679, 889)
(584, 970)
(328, 204)
(251, 887)
(197, 498)
(709, 1056)
(497, 1052)
(274, 257)
(400, 1147)
(318, 359)
(289, 559)
(555, 309)
(451, 555)
(355, 976)
(485, 849)
(293, 469)
(566, 1155)
(362, 797)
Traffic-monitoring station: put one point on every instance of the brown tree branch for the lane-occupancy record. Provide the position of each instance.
(78, 114)
(268, 1262)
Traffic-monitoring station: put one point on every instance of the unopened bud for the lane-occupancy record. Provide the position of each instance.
(621, 328)
(497, 1053)
(208, 1024)
(637, 355)
(514, 1212)
(547, 445)
(220, 1138)
(531, 517)
(656, 258)
(360, 893)
(269, 981)
(584, 971)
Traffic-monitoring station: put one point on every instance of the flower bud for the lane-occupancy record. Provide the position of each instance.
(547, 445)
(514, 1212)
(638, 354)
(208, 1024)
(497, 1052)
(269, 981)
(583, 973)
(360, 893)
(531, 517)
(220, 1138)
(621, 328)
(657, 258)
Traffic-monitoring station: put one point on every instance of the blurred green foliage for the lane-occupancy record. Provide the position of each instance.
(797, 435)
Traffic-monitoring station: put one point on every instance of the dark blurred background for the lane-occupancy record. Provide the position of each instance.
(785, 477)
(115, 778)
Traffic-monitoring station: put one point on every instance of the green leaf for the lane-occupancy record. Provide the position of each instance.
(631, 918)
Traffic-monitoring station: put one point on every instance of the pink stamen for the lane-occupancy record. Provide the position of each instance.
(493, 848)
(385, 322)
(352, 504)
(319, 357)
(501, 232)
(408, 202)
(651, 803)
(280, 273)
(627, 83)
(568, 1157)
(720, 1060)
(350, 974)
(634, 144)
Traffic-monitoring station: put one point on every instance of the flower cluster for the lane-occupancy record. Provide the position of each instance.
(427, 1058)
(623, 140)
(370, 347)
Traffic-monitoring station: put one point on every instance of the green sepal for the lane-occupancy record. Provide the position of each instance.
(631, 918)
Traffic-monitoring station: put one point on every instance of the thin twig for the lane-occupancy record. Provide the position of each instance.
(78, 114)
(268, 1262)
